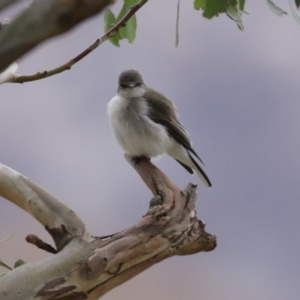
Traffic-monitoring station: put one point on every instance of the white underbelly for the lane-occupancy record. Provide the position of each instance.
(136, 133)
(141, 138)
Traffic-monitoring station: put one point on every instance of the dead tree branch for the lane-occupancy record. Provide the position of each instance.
(61, 222)
(88, 268)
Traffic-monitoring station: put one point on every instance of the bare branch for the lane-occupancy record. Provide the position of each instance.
(33, 239)
(44, 207)
(73, 61)
(42, 20)
(89, 269)
(157, 181)
(7, 238)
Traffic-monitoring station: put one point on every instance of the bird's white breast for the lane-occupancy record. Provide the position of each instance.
(136, 133)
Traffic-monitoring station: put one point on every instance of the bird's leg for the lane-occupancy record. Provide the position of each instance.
(138, 159)
(157, 200)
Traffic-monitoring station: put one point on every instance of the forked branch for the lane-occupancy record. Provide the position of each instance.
(89, 268)
(8, 45)
(67, 66)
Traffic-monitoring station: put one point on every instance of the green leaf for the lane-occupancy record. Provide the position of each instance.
(277, 10)
(123, 12)
(126, 32)
(297, 2)
(294, 11)
(109, 19)
(19, 263)
(235, 14)
(115, 39)
(242, 4)
(2, 264)
(212, 8)
(131, 29)
(109, 22)
(199, 4)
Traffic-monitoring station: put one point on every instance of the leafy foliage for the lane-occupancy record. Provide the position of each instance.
(128, 31)
(277, 10)
(294, 11)
(234, 9)
(109, 22)
(212, 8)
(294, 5)
(19, 263)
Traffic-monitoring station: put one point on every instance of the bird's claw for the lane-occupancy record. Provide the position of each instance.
(158, 200)
(138, 159)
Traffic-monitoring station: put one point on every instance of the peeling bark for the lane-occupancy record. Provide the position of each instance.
(87, 268)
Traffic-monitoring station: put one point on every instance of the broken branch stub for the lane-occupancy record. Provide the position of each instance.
(89, 268)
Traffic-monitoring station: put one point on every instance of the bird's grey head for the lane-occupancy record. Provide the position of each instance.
(130, 79)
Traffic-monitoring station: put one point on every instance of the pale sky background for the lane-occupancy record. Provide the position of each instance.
(239, 97)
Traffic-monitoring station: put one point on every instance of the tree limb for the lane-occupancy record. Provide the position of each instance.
(73, 61)
(87, 269)
(61, 222)
(42, 20)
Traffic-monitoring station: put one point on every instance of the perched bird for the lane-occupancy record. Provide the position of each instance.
(145, 123)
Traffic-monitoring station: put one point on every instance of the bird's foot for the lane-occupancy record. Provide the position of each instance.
(158, 200)
(138, 159)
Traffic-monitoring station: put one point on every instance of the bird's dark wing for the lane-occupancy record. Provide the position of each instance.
(164, 112)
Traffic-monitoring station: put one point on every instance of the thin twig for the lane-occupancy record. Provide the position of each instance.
(33, 239)
(73, 61)
(7, 238)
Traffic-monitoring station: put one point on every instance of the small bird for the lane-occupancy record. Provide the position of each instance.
(145, 124)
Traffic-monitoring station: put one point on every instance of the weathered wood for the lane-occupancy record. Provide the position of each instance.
(89, 268)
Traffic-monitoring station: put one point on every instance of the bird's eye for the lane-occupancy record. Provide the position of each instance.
(123, 86)
(138, 84)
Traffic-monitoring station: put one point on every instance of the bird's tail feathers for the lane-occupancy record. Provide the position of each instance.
(201, 174)
(190, 170)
